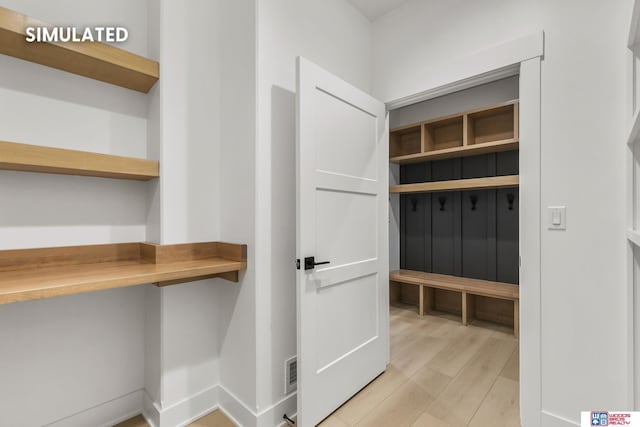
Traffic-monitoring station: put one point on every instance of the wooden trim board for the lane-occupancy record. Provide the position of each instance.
(30, 274)
(458, 184)
(98, 61)
(33, 158)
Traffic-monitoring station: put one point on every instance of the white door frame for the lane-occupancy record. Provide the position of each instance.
(520, 56)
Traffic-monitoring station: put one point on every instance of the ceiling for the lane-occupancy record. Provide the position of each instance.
(373, 9)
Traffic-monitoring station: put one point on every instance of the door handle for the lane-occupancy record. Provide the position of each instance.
(310, 263)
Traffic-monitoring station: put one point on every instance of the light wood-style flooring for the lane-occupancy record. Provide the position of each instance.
(214, 419)
(442, 374)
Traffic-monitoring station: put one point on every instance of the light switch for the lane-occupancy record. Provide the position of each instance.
(557, 218)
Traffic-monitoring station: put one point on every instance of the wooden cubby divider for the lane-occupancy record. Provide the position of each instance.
(481, 131)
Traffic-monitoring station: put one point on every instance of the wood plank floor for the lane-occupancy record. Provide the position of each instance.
(442, 374)
(214, 419)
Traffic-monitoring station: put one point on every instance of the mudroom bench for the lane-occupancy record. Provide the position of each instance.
(471, 298)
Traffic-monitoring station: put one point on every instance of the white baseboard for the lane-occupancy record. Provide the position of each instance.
(272, 416)
(150, 411)
(549, 419)
(181, 413)
(105, 414)
(236, 409)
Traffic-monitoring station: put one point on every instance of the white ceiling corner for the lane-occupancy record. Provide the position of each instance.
(373, 9)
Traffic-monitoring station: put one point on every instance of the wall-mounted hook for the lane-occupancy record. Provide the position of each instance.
(510, 199)
(474, 201)
(414, 204)
(442, 200)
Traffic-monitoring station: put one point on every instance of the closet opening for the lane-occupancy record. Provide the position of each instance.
(454, 252)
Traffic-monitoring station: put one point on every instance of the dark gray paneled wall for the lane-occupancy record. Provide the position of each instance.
(462, 233)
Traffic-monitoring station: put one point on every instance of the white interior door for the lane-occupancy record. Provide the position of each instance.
(342, 218)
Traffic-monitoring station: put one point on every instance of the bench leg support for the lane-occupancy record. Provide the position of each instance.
(468, 308)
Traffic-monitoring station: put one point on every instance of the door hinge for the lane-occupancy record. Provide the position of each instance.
(298, 264)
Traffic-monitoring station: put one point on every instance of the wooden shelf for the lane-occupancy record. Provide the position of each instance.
(458, 184)
(465, 151)
(33, 158)
(31, 274)
(486, 130)
(95, 60)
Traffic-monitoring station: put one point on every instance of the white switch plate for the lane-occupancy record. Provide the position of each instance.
(557, 219)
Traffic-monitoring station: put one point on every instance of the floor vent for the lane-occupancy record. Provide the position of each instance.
(290, 375)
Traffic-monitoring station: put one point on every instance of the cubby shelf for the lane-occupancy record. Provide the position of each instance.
(34, 158)
(30, 274)
(466, 151)
(95, 60)
(458, 184)
(475, 132)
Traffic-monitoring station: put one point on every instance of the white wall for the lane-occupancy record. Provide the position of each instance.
(583, 77)
(237, 321)
(89, 346)
(335, 36)
(184, 335)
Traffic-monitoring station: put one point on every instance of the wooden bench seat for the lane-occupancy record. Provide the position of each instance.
(468, 288)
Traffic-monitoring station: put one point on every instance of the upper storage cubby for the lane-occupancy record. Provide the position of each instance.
(405, 141)
(99, 61)
(487, 130)
(492, 125)
(444, 133)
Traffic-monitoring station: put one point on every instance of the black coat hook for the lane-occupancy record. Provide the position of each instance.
(474, 201)
(414, 205)
(442, 200)
(510, 198)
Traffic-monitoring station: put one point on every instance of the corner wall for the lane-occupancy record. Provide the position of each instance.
(583, 78)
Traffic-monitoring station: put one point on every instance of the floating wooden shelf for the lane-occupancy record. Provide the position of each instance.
(458, 184)
(95, 60)
(475, 132)
(30, 274)
(34, 158)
